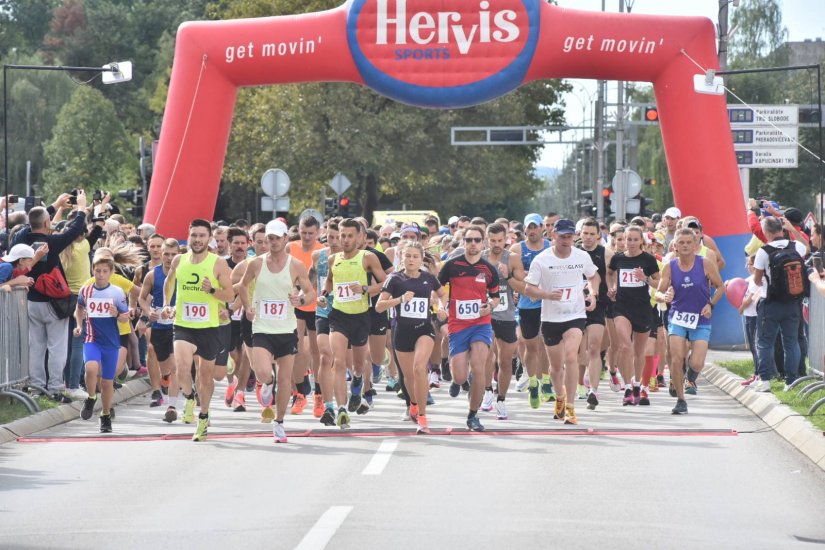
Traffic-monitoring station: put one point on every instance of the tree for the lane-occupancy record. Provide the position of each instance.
(23, 24)
(90, 148)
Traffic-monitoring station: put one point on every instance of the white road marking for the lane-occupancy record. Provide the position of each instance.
(381, 458)
(320, 534)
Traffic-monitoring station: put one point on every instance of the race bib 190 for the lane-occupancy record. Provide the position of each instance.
(467, 310)
(415, 308)
(195, 312)
(98, 308)
(685, 319)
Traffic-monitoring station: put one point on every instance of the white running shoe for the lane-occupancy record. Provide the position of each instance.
(434, 380)
(266, 393)
(279, 432)
(615, 380)
(76, 394)
(522, 383)
(501, 410)
(487, 402)
(762, 386)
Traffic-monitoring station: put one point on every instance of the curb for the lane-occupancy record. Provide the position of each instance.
(65, 413)
(795, 429)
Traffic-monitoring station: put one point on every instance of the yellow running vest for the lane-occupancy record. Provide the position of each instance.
(273, 312)
(345, 272)
(194, 307)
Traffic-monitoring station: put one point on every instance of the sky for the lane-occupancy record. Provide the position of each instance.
(803, 19)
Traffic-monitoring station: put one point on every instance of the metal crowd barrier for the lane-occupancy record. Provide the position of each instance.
(14, 346)
(816, 350)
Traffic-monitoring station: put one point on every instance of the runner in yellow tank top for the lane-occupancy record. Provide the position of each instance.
(349, 320)
(202, 282)
(272, 312)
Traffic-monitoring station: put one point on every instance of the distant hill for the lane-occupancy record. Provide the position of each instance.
(546, 172)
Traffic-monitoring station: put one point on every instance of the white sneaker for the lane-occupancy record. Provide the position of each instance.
(487, 402)
(762, 386)
(522, 383)
(787, 387)
(434, 380)
(501, 410)
(279, 432)
(76, 394)
(266, 393)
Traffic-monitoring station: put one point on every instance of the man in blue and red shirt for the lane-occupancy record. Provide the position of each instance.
(473, 296)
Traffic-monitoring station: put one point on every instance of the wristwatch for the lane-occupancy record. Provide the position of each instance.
(144, 318)
(364, 289)
(212, 290)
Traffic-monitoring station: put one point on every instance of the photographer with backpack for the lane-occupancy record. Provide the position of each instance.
(782, 263)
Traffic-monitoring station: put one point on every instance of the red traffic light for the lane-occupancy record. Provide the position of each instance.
(651, 114)
(344, 202)
(606, 192)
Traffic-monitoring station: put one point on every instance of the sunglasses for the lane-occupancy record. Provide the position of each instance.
(453, 226)
(473, 239)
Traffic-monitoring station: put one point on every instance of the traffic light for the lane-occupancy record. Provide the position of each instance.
(808, 115)
(135, 196)
(608, 204)
(645, 211)
(585, 205)
(650, 181)
(343, 207)
(651, 114)
(330, 207)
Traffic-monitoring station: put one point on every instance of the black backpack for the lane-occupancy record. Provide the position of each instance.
(788, 280)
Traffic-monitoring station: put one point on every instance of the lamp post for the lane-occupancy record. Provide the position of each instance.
(113, 73)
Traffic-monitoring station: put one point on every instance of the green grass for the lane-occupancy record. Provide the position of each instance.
(11, 409)
(744, 368)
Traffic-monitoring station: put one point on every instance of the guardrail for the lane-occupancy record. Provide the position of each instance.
(816, 350)
(14, 346)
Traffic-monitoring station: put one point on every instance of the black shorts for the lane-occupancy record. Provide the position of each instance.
(656, 320)
(206, 340)
(505, 331)
(405, 337)
(307, 317)
(236, 340)
(246, 331)
(279, 345)
(554, 332)
(379, 323)
(124, 340)
(640, 317)
(225, 336)
(530, 322)
(597, 316)
(321, 325)
(355, 326)
(161, 341)
(609, 312)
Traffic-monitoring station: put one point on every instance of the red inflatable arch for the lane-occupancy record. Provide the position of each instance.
(425, 53)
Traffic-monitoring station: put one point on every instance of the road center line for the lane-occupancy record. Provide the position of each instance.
(381, 458)
(320, 534)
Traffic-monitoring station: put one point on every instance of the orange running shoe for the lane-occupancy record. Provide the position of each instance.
(230, 393)
(423, 425)
(558, 413)
(298, 404)
(239, 402)
(318, 405)
(414, 413)
(570, 415)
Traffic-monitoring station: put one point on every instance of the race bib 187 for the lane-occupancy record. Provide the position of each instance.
(272, 310)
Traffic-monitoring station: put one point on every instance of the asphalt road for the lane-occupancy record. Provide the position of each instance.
(641, 479)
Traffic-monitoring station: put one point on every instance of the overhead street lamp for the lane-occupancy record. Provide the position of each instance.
(112, 73)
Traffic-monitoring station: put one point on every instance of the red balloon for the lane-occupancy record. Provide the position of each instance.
(735, 291)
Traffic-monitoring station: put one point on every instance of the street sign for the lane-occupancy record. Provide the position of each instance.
(314, 213)
(810, 221)
(763, 115)
(765, 136)
(775, 157)
(339, 183)
(275, 182)
(267, 204)
(633, 183)
(281, 204)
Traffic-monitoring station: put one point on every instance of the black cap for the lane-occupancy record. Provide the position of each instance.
(794, 216)
(564, 227)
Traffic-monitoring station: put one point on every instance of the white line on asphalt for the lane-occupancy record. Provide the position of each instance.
(319, 535)
(381, 458)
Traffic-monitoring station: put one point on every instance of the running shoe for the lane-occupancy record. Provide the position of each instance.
(105, 423)
(671, 389)
(581, 391)
(558, 410)
(592, 400)
(518, 368)
(377, 373)
(201, 430)
(123, 376)
(170, 415)
(637, 395)
(455, 389)
(533, 396)
(278, 432)
(570, 415)
(586, 383)
(298, 404)
(250, 384)
(522, 383)
(680, 408)
(58, 397)
(435, 380)
(413, 412)
(342, 421)
(142, 371)
(164, 384)
(613, 378)
(75, 394)
(88, 408)
(654, 384)
(628, 397)
(644, 397)
(690, 388)
(267, 415)
(749, 381)
(157, 399)
(229, 396)
(446, 374)
(328, 418)
(547, 392)
(501, 410)
(487, 401)
(364, 407)
(466, 385)
(430, 400)
(762, 386)
(112, 412)
(356, 389)
(392, 384)
(317, 405)
(660, 380)
(188, 411)
(475, 424)
(264, 393)
(423, 425)
(239, 402)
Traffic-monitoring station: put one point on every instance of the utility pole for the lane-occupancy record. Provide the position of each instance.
(620, 194)
(598, 143)
(723, 34)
